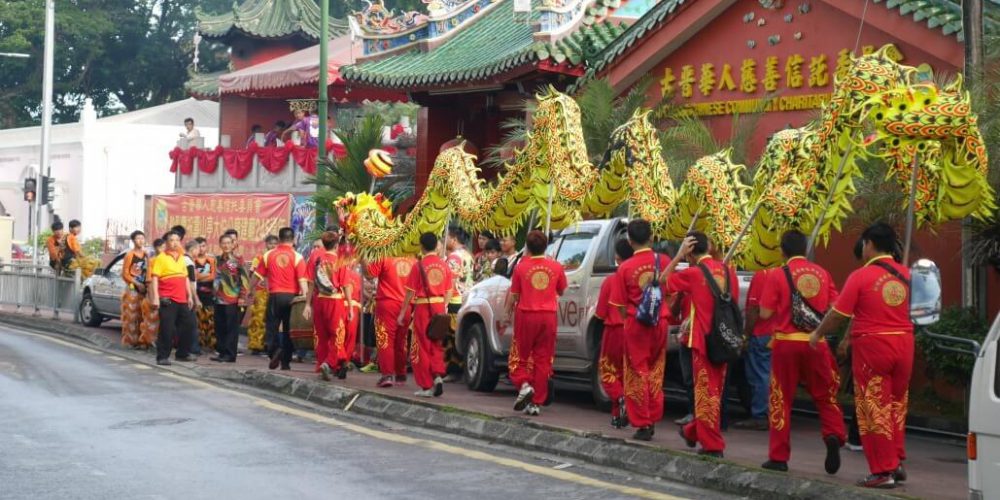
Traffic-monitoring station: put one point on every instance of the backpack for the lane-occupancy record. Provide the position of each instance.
(724, 341)
(648, 310)
(804, 316)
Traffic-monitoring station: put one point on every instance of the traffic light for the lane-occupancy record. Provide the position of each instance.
(29, 190)
(48, 189)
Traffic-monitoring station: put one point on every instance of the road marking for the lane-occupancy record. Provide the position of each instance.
(114, 358)
(141, 367)
(434, 445)
(58, 341)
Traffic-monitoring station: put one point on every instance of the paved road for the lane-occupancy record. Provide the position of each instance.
(79, 423)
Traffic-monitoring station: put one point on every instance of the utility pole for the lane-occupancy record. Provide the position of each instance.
(45, 168)
(973, 278)
(324, 102)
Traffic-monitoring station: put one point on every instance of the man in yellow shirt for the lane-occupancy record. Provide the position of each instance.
(172, 293)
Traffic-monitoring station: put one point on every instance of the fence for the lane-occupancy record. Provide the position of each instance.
(37, 287)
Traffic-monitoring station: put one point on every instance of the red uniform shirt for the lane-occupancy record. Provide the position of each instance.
(757, 285)
(326, 274)
(392, 273)
(632, 277)
(438, 278)
(353, 278)
(813, 283)
(538, 281)
(877, 300)
(605, 310)
(283, 267)
(691, 281)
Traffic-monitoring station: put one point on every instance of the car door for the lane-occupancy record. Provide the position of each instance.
(107, 291)
(574, 253)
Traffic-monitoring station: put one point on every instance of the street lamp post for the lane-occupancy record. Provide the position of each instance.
(47, 66)
(324, 102)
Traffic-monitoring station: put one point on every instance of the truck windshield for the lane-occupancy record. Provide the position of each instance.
(573, 250)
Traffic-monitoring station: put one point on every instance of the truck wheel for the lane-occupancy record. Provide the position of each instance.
(89, 315)
(480, 369)
(601, 399)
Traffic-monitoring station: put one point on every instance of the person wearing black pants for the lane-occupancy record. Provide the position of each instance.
(279, 327)
(172, 293)
(231, 287)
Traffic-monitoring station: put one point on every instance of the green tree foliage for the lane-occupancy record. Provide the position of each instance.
(955, 322)
(125, 54)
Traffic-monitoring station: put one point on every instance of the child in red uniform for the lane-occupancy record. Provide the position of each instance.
(390, 338)
(428, 289)
(535, 287)
(792, 360)
(645, 345)
(708, 377)
(877, 297)
(327, 285)
(610, 364)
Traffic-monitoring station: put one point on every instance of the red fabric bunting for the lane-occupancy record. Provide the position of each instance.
(181, 159)
(239, 163)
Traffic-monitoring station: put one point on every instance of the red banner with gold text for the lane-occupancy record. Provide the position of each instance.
(253, 216)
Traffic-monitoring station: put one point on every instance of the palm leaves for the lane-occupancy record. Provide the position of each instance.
(983, 246)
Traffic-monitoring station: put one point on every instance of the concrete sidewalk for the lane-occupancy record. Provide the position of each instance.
(937, 468)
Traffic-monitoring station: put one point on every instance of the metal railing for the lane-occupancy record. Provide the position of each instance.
(38, 288)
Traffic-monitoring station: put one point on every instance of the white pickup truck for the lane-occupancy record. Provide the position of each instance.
(586, 251)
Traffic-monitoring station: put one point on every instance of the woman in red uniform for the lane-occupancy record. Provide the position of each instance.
(326, 307)
(877, 297)
(612, 356)
(429, 288)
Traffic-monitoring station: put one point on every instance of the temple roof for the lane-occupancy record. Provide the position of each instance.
(204, 85)
(268, 19)
(490, 45)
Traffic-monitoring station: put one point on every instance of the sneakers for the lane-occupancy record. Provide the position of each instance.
(342, 372)
(524, 397)
(899, 474)
(451, 378)
(753, 424)
(881, 481)
(644, 434)
(163, 362)
(533, 410)
(854, 447)
(438, 387)
(622, 412)
(369, 368)
(688, 442)
(400, 379)
(617, 423)
(832, 463)
(685, 420)
(426, 393)
(713, 454)
(325, 372)
(775, 466)
(385, 382)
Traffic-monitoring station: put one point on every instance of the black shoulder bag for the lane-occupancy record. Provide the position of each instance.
(725, 340)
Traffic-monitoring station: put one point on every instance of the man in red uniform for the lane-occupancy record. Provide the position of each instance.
(428, 288)
(610, 365)
(390, 337)
(535, 287)
(326, 277)
(353, 283)
(757, 361)
(877, 297)
(708, 377)
(645, 346)
(793, 361)
(285, 272)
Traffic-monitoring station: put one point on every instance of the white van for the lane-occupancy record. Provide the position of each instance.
(984, 420)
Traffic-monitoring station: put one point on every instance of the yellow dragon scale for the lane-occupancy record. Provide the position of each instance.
(796, 175)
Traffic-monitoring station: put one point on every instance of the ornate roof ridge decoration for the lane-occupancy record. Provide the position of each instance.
(383, 32)
(268, 19)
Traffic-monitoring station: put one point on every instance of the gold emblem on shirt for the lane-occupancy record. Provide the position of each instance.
(645, 278)
(893, 293)
(282, 260)
(808, 285)
(435, 276)
(403, 268)
(539, 279)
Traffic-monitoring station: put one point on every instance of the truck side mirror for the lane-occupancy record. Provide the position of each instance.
(925, 290)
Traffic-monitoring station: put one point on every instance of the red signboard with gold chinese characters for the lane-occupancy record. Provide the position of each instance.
(253, 216)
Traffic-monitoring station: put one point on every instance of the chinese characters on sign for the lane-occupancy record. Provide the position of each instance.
(770, 75)
(253, 216)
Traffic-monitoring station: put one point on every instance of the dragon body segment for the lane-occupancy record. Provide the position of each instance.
(801, 171)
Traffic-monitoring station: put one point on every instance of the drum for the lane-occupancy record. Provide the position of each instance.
(303, 336)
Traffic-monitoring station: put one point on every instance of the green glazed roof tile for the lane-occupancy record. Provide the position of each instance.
(268, 19)
(204, 85)
(490, 45)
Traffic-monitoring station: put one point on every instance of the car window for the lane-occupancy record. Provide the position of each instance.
(550, 251)
(116, 268)
(573, 250)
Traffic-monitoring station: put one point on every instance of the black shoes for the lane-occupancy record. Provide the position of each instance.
(688, 442)
(775, 466)
(163, 362)
(342, 372)
(899, 475)
(186, 359)
(832, 463)
(644, 434)
(275, 360)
